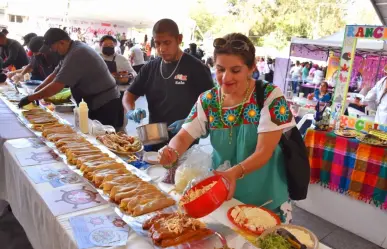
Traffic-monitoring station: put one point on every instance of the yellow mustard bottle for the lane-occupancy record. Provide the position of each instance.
(83, 111)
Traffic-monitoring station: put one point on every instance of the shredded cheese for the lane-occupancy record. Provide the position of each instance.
(302, 236)
(178, 223)
(194, 194)
(253, 218)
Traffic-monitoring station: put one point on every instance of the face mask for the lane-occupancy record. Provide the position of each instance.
(108, 51)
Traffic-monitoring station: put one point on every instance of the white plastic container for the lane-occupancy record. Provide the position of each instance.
(76, 117)
(83, 111)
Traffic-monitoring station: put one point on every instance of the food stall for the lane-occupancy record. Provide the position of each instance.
(66, 189)
(350, 162)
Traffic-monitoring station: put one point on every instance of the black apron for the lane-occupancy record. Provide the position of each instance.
(112, 65)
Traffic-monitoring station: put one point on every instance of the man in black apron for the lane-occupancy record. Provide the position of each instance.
(87, 75)
(117, 64)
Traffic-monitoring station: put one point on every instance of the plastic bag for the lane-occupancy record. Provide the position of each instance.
(192, 163)
(225, 166)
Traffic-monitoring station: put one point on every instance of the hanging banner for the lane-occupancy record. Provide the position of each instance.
(333, 66)
(360, 124)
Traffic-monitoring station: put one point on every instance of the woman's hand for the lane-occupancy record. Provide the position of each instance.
(167, 156)
(231, 175)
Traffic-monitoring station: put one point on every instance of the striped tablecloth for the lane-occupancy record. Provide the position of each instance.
(348, 166)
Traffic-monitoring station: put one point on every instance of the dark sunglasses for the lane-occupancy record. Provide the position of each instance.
(234, 44)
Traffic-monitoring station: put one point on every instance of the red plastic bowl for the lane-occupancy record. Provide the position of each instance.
(209, 201)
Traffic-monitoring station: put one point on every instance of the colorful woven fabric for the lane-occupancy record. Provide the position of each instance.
(348, 166)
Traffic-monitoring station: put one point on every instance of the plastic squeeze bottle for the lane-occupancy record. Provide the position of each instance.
(83, 111)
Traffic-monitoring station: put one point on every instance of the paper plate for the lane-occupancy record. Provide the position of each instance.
(246, 229)
(151, 157)
(156, 172)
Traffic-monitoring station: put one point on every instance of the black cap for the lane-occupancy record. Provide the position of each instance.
(27, 38)
(36, 44)
(53, 35)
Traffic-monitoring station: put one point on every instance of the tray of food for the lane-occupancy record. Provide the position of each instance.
(277, 238)
(378, 133)
(371, 140)
(346, 133)
(171, 229)
(121, 143)
(252, 219)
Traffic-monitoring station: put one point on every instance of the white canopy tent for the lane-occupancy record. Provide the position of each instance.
(131, 13)
(334, 43)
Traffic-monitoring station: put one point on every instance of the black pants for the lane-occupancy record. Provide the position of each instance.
(137, 68)
(111, 113)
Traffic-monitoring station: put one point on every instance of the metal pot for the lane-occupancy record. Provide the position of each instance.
(153, 133)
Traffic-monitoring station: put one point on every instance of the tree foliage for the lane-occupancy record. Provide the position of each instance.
(273, 22)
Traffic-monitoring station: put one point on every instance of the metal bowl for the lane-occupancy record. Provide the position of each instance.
(153, 133)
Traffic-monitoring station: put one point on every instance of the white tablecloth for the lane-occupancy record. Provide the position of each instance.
(43, 229)
(10, 128)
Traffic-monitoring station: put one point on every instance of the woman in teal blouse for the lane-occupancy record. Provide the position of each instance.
(239, 130)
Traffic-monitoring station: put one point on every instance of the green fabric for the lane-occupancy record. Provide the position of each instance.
(267, 183)
(305, 73)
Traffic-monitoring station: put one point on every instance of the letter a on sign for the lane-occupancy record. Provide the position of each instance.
(360, 32)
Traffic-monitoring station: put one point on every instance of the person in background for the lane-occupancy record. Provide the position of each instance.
(171, 83)
(123, 42)
(85, 72)
(311, 71)
(13, 52)
(42, 62)
(5, 31)
(153, 49)
(295, 73)
(318, 76)
(305, 72)
(148, 51)
(356, 104)
(355, 83)
(321, 94)
(136, 57)
(378, 95)
(241, 132)
(261, 67)
(117, 64)
(27, 38)
(193, 51)
(269, 71)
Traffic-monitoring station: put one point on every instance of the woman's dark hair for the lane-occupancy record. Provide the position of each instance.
(107, 37)
(248, 57)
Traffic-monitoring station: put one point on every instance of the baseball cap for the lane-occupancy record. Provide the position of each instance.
(27, 38)
(36, 44)
(53, 35)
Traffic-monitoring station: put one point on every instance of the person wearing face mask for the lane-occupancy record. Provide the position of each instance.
(170, 83)
(85, 72)
(244, 130)
(117, 64)
(42, 63)
(13, 52)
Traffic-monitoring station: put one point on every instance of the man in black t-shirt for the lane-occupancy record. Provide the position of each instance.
(171, 83)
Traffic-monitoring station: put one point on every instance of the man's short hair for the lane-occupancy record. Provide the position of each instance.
(2, 35)
(166, 26)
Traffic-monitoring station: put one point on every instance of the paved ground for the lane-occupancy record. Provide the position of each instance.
(12, 235)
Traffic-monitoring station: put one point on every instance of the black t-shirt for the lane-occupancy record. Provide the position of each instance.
(43, 65)
(171, 99)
